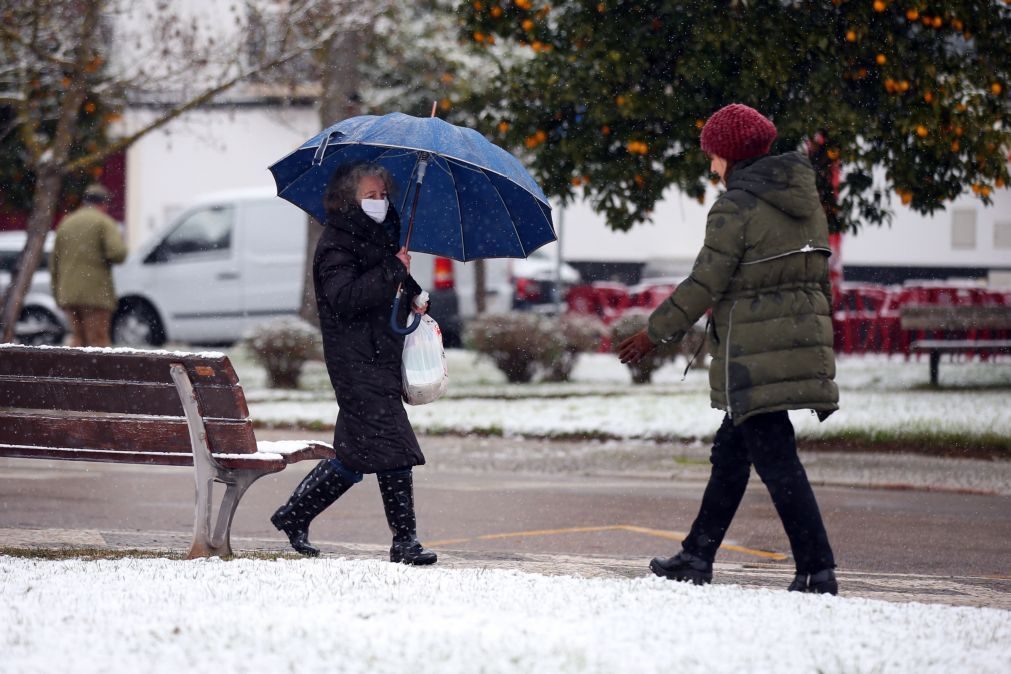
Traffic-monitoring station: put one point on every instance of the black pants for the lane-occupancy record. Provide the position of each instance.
(768, 442)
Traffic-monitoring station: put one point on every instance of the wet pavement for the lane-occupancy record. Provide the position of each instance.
(904, 528)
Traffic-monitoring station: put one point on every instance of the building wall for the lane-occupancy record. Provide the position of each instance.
(206, 151)
(911, 244)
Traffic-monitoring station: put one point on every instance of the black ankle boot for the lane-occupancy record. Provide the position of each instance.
(317, 491)
(411, 552)
(398, 501)
(683, 566)
(823, 582)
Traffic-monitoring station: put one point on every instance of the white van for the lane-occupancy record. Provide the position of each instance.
(234, 259)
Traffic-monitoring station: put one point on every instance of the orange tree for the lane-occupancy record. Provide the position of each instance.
(607, 97)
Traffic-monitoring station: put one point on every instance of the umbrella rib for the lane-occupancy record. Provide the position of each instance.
(459, 209)
(512, 219)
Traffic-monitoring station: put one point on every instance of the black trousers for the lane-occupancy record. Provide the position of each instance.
(768, 442)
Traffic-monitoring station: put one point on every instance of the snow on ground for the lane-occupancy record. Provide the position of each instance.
(335, 615)
(878, 395)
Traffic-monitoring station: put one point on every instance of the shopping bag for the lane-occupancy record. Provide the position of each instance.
(424, 372)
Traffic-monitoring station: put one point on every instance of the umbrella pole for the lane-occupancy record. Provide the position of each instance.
(422, 168)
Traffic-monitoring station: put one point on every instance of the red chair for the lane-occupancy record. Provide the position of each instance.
(613, 299)
(582, 300)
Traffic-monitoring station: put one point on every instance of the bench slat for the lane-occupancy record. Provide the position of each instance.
(119, 433)
(958, 345)
(223, 402)
(114, 365)
(267, 462)
(933, 317)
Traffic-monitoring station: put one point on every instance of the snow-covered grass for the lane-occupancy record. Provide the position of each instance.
(335, 615)
(882, 399)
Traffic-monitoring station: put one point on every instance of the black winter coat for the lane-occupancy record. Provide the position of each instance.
(356, 273)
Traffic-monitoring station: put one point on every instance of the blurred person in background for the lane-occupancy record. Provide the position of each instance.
(763, 269)
(88, 243)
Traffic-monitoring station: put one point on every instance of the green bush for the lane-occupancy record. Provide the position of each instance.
(582, 334)
(518, 343)
(282, 346)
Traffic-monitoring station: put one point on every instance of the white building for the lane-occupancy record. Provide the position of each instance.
(966, 240)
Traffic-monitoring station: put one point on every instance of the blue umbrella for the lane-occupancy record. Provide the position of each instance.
(479, 200)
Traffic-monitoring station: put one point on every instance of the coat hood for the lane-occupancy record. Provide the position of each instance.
(784, 181)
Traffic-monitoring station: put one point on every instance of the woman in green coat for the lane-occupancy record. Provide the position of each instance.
(764, 271)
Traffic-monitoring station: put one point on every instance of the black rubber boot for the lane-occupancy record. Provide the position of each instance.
(823, 582)
(398, 501)
(683, 566)
(321, 487)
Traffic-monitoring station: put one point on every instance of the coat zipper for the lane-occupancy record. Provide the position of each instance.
(726, 365)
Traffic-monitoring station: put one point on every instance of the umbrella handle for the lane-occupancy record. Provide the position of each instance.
(394, 325)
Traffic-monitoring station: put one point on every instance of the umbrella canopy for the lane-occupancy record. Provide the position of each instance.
(476, 199)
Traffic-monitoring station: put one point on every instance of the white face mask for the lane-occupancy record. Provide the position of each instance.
(376, 208)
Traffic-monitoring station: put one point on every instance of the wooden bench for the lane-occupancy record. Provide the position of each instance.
(143, 407)
(956, 329)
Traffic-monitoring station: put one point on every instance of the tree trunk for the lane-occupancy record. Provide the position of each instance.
(48, 183)
(49, 165)
(338, 63)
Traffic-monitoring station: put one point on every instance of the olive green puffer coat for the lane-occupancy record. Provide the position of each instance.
(764, 270)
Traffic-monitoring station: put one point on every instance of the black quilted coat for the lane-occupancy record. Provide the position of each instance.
(356, 273)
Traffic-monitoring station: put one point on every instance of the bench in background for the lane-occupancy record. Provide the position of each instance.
(956, 330)
(143, 407)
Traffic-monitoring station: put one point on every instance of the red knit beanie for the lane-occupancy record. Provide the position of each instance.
(737, 132)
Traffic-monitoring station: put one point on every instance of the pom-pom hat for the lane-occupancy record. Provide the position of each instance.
(737, 132)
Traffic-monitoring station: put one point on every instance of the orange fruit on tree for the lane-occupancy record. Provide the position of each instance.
(998, 183)
(879, 6)
(921, 131)
(928, 97)
(528, 25)
(937, 22)
(851, 36)
(955, 146)
(912, 14)
(881, 59)
(996, 88)
(496, 11)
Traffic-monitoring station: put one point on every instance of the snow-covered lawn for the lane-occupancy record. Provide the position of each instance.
(879, 397)
(335, 615)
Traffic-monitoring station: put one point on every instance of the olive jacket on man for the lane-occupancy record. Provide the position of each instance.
(87, 244)
(764, 270)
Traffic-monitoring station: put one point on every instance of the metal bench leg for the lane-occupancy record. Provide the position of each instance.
(935, 361)
(207, 471)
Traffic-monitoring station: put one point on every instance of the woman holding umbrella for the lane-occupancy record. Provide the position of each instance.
(357, 269)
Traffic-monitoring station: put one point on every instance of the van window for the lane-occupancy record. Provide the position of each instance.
(208, 230)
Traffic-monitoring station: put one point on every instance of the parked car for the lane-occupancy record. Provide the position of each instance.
(41, 321)
(540, 283)
(233, 259)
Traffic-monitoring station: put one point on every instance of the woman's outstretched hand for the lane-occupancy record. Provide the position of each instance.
(633, 349)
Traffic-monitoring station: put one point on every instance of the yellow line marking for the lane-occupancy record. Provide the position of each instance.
(657, 533)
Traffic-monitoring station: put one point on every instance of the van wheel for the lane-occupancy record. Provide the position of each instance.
(137, 325)
(39, 327)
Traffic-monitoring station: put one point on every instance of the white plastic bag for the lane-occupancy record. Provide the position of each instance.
(425, 375)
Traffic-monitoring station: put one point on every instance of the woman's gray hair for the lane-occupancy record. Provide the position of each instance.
(343, 186)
